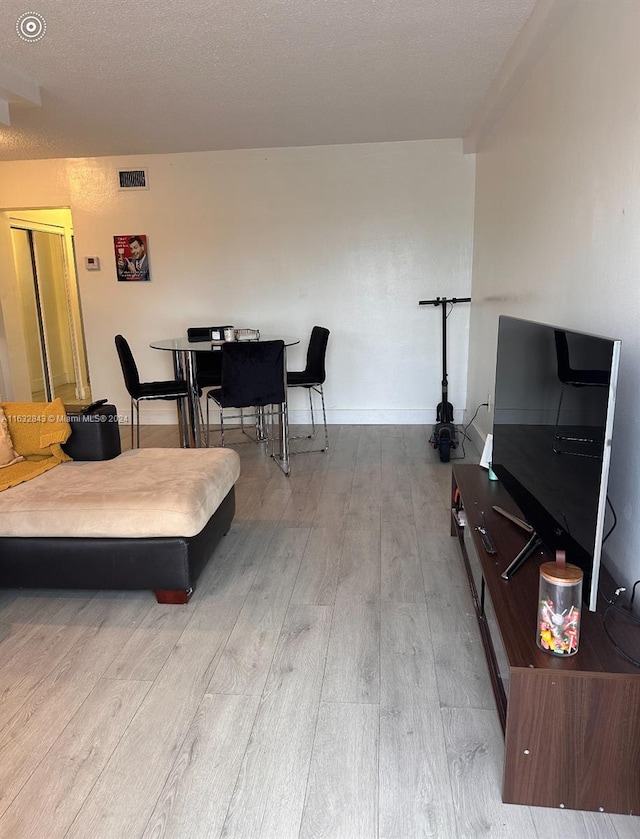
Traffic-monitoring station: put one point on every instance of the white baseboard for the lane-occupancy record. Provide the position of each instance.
(152, 414)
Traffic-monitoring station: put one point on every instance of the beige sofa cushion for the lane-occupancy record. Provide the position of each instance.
(141, 493)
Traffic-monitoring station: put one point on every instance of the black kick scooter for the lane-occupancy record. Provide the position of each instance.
(445, 434)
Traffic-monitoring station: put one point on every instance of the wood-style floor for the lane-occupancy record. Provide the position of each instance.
(326, 681)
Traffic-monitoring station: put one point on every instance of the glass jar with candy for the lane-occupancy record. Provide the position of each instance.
(559, 606)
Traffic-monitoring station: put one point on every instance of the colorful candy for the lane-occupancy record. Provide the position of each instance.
(558, 631)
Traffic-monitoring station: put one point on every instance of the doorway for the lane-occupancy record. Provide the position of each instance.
(49, 306)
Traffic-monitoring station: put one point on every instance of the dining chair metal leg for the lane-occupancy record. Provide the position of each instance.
(242, 428)
(259, 434)
(320, 390)
(324, 419)
(285, 438)
(282, 458)
(204, 431)
(208, 426)
(135, 430)
(313, 422)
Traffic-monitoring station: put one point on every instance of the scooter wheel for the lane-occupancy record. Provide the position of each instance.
(444, 449)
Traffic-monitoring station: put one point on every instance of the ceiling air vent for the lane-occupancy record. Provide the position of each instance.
(133, 179)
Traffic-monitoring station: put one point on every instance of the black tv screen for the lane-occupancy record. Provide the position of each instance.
(552, 430)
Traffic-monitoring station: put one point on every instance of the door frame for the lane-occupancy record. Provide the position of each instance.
(14, 371)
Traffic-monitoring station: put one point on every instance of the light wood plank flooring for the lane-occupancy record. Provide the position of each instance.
(67, 393)
(326, 681)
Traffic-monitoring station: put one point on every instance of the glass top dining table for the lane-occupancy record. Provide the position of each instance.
(184, 366)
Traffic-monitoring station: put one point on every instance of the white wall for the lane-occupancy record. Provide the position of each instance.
(557, 224)
(349, 237)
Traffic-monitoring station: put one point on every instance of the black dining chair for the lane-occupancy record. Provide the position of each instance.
(253, 376)
(578, 378)
(312, 378)
(208, 368)
(139, 391)
(208, 365)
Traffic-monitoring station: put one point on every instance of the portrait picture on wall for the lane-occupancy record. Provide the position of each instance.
(132, 258)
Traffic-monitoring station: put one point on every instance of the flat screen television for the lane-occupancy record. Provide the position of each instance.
(553, 423)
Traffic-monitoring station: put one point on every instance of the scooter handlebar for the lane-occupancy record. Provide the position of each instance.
(441, 301)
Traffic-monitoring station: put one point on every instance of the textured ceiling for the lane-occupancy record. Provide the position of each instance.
(151, 77)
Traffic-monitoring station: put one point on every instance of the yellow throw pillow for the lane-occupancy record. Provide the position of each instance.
(8, 455)
(38, 428)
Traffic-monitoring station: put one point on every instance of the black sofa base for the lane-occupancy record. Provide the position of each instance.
(169, 566)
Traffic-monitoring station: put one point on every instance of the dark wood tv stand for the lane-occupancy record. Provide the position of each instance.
(571, 726)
